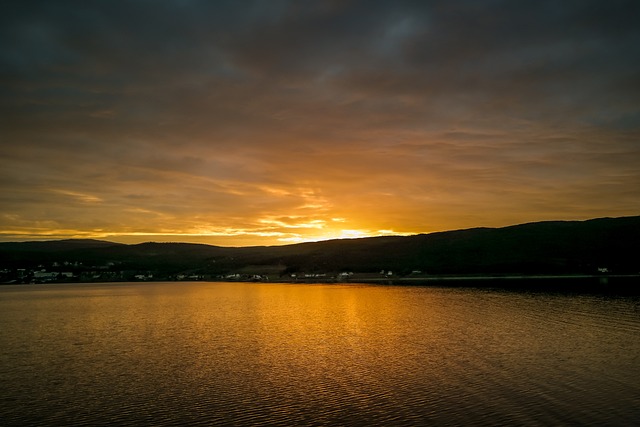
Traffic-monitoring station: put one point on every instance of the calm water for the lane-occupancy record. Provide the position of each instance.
(282, 354)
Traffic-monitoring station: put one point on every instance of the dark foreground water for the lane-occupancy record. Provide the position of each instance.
(283, 354)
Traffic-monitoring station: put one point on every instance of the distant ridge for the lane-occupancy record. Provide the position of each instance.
(57, 245)
(549, 247)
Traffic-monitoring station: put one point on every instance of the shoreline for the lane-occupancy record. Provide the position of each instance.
(619, 284)
(436, 278)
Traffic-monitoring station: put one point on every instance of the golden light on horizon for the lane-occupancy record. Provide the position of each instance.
(271, 125)
(267, 231)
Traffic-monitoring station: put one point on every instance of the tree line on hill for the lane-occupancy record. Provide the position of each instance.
(552, 247)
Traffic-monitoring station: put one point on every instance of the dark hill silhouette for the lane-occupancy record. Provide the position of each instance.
(56, 245)
(26, 254)
(554, 247)
(544, 247)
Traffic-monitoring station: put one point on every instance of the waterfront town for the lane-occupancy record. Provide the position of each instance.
(76, 272)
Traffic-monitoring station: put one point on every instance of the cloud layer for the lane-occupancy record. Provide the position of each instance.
(269, 122)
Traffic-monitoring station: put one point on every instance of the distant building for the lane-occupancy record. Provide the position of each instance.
(46, 275)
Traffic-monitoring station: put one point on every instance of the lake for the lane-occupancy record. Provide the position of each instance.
(312, 354)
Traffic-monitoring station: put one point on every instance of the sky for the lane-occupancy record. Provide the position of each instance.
(272, 122)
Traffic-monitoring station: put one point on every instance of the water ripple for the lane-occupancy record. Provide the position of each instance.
(281, 355)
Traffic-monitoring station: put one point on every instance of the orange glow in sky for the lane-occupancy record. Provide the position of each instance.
(268, 124)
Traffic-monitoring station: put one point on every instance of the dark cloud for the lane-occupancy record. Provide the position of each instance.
(208, 114)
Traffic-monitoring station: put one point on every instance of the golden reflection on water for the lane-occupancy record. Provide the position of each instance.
(216, 353)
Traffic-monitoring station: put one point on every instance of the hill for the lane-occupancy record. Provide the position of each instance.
(55, 245)
(559, 247)
(554, 247)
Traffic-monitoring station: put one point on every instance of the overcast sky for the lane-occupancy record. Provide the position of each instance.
(271, 122)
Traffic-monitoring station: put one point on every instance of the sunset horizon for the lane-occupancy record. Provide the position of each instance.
(319, 212)
(143, 238)
(271, 123)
